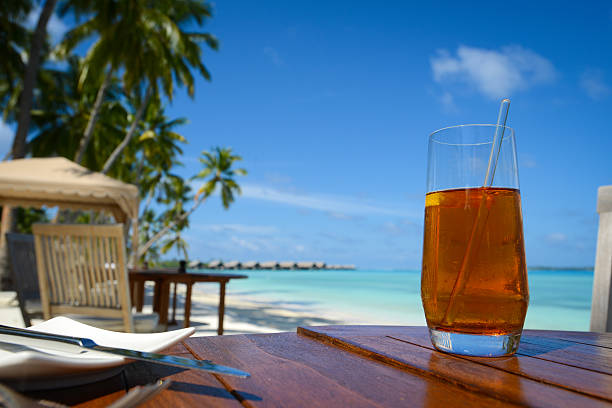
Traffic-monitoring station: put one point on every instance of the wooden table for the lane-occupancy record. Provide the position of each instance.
(364, 366)
(161, 297)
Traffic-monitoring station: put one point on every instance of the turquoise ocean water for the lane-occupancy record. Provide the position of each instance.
(559, 299)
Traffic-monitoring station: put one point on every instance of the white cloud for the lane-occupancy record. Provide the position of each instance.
(528, 161)
(326, 203)
(340, 216)
(55, 27)
(240, 228)
(243, 243)
(556, 237)
(447, 99)
(592, 82)
(448, 102)
(274, 56)
(400, 227)
(6, 138)
(494, 73)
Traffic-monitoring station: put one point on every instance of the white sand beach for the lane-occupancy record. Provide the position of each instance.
(243, 314)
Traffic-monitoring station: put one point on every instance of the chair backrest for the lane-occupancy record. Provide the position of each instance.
(82, 270)
(601, 301)
(22, 260)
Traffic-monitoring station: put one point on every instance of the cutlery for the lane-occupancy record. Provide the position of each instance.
(136, 396)
(140, 394)
(79, 345)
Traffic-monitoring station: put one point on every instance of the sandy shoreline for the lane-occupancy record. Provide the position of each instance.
(243, 313)
(247, 313)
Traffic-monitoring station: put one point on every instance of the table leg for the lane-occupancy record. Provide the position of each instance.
(132, 293)
(138, 292)
(187, 305)
(173, 321)
(164, 297)
(221, 308)
(157, 295)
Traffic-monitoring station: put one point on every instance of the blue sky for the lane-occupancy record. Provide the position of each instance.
(331, 103)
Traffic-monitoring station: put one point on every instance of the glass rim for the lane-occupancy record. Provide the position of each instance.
(431, 135)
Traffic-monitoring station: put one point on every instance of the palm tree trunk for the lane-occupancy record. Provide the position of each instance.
(147, 203)
(119, 149)
(185, 254)
(93, 117)
(18, 150)
(142, 249)
(29, 81)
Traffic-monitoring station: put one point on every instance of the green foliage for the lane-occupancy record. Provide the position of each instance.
(62, 112)
(218, 173)
(28, 216)
(169, 263)
(153, 46)
(142, 45)
(14, 38)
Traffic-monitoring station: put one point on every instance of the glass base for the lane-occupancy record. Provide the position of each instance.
(475, 344)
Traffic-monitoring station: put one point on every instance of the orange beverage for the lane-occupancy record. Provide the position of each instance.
(480, 232)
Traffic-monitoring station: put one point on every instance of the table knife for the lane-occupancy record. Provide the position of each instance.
(72, 344)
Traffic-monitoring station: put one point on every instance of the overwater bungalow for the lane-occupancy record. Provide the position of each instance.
(287, 265)
(215, 264)
(305, 265)
(319, 265)
(232, 265)
(337, 267)
(250, 265)
(195, 264)
(268, 265)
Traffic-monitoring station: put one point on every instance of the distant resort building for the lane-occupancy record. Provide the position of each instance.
(215, 264)
(305, 265)
(232, 265)
(269, 265)
(250, 265)
(286, 265)
(195, 264)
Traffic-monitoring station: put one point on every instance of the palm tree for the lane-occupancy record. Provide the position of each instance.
(60, 115)
(146, 41)
(18, 150)
(176, 242)
(174, 194)
(15, 38)
(158, 150)
(218, 173)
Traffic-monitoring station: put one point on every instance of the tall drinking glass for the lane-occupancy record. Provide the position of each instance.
(474, 279)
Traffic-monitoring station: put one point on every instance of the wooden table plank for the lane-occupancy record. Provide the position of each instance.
(573, 378)
(594, 339)
(370, 366)
(423, 359)
(189, 388)
(567, 352)
(291, 371)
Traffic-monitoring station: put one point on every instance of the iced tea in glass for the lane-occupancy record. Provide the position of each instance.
(474, 278)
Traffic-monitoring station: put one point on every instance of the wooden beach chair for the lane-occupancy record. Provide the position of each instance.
(22, 261)
(82, 273)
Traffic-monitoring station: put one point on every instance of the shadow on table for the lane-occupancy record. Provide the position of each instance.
(534, 346)
(209, 391)
(137, 373)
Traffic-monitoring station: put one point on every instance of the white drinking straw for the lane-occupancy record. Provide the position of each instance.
(481, 216)
(497, 140)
